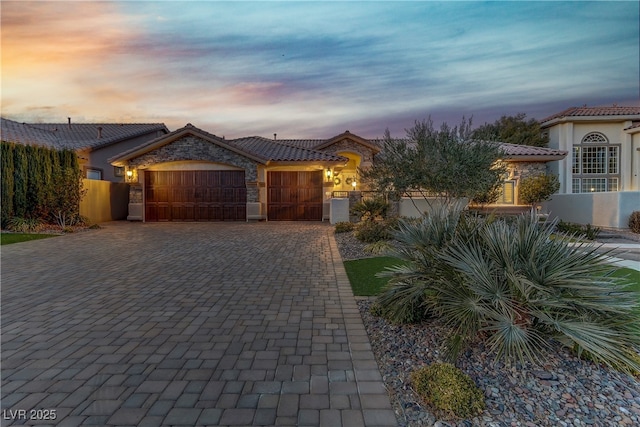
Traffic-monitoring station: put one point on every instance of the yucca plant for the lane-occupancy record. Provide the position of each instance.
(512, 285)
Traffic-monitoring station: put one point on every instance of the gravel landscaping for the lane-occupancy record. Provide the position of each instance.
(561, 391)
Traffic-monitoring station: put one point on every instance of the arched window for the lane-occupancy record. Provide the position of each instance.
(596, 165)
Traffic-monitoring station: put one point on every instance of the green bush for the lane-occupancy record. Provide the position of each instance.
(448, 390)
(344, 227)
(371, 209)
(538, 188)
(513, 285)
(375, 231)
(24, 225)
(578, 230)
(634, 221)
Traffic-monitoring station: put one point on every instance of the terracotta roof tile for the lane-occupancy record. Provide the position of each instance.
(75, 136)
(282, 150)
(594, 111)
(514, 150)
(94, 135)
(22, 133)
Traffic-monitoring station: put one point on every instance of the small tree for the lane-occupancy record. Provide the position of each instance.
(442, 163)
(538, 188)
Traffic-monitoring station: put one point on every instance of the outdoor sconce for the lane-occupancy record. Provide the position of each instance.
(130, 175)
(354, 184)
(328, 174)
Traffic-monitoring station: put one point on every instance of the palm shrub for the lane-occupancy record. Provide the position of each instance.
(511, 285)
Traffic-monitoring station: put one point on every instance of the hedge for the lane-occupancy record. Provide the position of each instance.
(39, 182)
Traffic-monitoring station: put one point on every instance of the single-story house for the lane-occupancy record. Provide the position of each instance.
(600, 178)
(94, 143)
(193, 175)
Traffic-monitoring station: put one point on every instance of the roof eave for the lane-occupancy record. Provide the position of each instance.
(603, 118)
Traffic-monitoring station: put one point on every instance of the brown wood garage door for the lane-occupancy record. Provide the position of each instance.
(295, 196)
(195, 196)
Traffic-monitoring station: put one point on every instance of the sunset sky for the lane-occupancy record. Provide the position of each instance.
(313, 69)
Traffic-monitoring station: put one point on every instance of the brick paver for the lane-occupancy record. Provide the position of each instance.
(186, 324)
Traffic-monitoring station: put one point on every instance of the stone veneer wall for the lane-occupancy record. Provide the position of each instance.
(194, 148)
(529, 169)
(349, 145)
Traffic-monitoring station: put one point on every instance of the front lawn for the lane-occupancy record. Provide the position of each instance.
(362, 274)
(9, 238)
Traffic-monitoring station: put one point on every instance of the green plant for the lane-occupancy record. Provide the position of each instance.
(448, 390)
(374, 231)
(578, 230)
(538, 188)
(634, 221)
(371, 209)
(344, 227)
(512, 285)
(10, 238)
(24, 225)
(435, 162)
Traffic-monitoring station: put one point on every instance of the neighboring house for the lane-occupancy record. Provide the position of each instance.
(94, 143)
(600, 178)
(193, 175)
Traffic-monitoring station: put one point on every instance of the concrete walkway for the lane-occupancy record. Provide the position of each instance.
(186, 324)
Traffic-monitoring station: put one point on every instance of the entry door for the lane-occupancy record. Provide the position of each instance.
(294, 196)
(195, 196)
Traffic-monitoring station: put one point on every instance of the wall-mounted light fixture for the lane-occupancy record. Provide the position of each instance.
(328, 174)
(130, 175)
(353, 183)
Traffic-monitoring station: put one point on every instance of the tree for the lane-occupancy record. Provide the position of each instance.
(538, 188)
(440, 163)
(513, 130)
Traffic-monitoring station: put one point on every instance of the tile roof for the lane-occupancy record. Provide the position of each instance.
(594, 111)
(22, 133)
(284, 150)
(514, 151)
(94, 135)
(75, 136)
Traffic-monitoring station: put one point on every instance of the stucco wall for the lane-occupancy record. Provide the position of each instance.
(600, 209)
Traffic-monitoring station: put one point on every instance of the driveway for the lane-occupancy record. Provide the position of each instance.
(186, 324)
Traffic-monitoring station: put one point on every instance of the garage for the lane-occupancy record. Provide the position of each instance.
(195, 195)
(294, 196)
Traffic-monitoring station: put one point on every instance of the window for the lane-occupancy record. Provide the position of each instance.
(118, 171)
(94, 173)
(595, 165)
(507, 193)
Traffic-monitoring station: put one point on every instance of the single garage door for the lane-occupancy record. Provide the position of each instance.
(294, 196)
(195, 196)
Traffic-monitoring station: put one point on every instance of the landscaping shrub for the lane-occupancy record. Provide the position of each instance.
(375, 231)
(38, 182)
(344, 227)
(512, 285)
(634, 221)
(448, 390)
(24, 225)
(538, 188)
(371, 209)
(578, 230)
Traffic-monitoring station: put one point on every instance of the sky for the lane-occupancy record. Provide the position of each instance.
(305, 69)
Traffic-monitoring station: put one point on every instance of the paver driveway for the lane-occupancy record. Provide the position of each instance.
(186, 324)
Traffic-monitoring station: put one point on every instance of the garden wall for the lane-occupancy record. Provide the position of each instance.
(104, 201)
(599, 209)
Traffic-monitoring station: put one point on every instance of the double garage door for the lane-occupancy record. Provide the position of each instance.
(222, 196)
(195, 196)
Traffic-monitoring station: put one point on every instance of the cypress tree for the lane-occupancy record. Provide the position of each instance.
(20, 176)
(7, 190)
